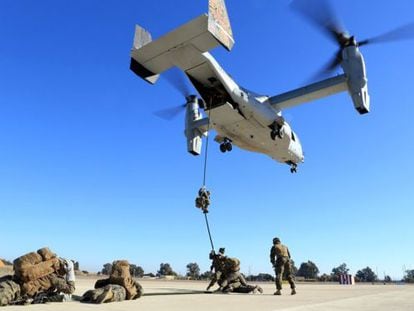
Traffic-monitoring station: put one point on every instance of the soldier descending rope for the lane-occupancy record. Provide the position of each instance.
(203, 199)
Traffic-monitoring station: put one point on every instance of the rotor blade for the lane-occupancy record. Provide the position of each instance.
(170, 113)
(328, 68)
(321, 14)
(405, 32)
(178, 80)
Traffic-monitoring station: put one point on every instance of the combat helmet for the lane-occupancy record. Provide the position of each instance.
(276, 240)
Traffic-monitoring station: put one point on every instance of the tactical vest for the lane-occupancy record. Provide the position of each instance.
(281, 250)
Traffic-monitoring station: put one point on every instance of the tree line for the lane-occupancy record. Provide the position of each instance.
(307, 270)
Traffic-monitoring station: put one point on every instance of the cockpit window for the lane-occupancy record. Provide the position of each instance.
(293, 136)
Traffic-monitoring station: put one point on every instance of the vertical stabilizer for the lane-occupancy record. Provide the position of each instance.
(141, 38)
(219, 23)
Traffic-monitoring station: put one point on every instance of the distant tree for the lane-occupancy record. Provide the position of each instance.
(366, 275)
(193, 271)
(107, 268)
(85, 272)
(136, 271)
(308, 270)
(325, 278)
(165, 269)
(150, 275)
(261, 277)
(206, 275)
(387, 279)
(336, 272)
(409, 276)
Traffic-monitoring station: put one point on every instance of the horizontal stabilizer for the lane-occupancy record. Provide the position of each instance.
(141, 38)
(182, 47)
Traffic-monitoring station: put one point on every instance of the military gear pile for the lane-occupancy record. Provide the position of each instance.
(231, 264)
(118, 287)
(41, 272)
(38, 276)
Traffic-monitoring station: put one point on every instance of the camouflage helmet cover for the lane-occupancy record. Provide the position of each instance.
(276, 240)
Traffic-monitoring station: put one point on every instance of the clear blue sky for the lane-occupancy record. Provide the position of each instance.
(87, 169)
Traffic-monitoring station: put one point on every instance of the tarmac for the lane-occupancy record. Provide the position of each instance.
(189, 295)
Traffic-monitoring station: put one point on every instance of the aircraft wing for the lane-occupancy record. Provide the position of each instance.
(354, 80)
(310, 93)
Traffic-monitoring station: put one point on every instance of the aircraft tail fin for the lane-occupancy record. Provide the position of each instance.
(219, 23)
(142, 37)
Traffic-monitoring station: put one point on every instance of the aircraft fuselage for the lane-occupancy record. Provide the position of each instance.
(246, 118)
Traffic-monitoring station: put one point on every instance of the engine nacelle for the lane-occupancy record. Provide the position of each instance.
(354, 67)
(192, 132)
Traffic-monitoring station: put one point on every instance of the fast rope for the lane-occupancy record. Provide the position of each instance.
(203, 199)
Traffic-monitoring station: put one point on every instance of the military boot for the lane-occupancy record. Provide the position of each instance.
(278, 293)
(259, 289)
(228, 289)
(293, 291)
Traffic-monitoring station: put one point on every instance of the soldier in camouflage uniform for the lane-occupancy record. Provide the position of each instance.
(118, 287)
(236, 283)
(233, 281)
(109, 293)
(217, 265)
(280, 259)
(9, 290)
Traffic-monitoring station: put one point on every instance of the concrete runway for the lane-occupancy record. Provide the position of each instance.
(189, 295)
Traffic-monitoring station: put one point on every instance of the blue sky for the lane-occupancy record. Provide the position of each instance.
(87, 169)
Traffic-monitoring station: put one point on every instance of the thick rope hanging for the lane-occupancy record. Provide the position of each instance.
(204, 194)
(208, 230)
(206, 151)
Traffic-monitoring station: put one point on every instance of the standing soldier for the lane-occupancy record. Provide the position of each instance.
(280, 259)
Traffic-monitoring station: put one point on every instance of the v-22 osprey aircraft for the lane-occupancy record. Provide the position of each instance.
(240, 117)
